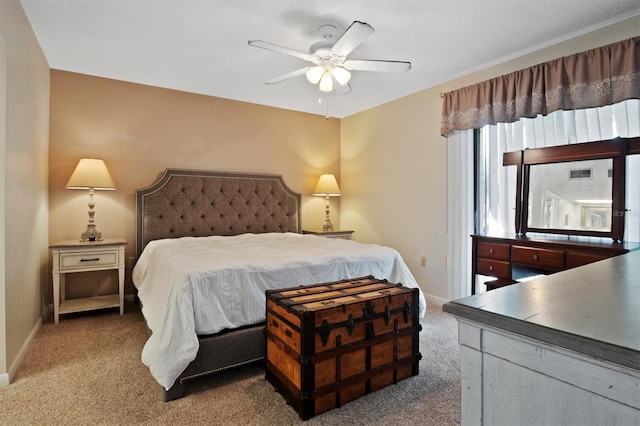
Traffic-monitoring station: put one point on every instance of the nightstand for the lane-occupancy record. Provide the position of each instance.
(74, 256)
(344, 234)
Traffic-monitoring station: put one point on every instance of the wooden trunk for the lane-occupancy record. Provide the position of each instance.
(328, 344)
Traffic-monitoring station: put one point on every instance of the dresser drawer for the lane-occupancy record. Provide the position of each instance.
(575, 259)
(492, 250)
(538, 257)
(492, 268)
(89, 259)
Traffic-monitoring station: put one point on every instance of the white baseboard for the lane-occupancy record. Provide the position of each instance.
(435, 299)
(4, 381)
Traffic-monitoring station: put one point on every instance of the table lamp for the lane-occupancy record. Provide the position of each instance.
(91, 174)
(327, 187)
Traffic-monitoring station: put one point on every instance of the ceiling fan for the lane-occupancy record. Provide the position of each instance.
(330, 63)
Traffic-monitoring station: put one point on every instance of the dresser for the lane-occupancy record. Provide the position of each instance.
(563, 349)
(508, 258)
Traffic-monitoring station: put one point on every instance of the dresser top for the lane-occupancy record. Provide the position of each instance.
(593, 309)
(565, 240)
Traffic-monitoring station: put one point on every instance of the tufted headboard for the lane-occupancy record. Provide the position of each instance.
(194, 203)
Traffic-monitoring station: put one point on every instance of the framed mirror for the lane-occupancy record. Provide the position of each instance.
(574, 189)
(573, 196)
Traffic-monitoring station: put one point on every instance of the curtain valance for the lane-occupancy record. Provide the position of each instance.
(594, 78)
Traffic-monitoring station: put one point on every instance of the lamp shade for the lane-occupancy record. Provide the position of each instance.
(327, 186)
(91, 173)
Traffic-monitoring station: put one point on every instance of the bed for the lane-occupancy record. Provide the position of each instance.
(204, 304)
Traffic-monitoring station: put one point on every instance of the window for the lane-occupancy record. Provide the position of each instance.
(495, 185)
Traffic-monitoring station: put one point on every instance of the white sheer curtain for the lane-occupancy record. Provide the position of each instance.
(498, 183)
(460, 207)
(496, 194)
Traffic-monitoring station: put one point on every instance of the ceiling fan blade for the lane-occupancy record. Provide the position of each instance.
(342, 89)
(286, 76)
(352, 37)
(374, 65)
(275, 48)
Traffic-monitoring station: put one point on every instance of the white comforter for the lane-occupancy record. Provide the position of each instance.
(195, 286)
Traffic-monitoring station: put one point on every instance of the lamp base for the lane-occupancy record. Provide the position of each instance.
(91, 234)
(328, 226)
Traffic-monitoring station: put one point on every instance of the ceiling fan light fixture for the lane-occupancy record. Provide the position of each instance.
(329, 58)
(341, 75)
(326, 83)
(314, 74)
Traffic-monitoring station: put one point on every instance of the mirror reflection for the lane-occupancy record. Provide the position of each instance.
(574, 195)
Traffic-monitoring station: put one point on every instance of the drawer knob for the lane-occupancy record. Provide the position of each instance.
(535, 257)
(93, 259)
(491, 267)
(491, 251)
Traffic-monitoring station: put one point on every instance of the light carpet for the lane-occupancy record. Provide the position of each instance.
(87, 370)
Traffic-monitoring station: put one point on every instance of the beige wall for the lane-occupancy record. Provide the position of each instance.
(24, 105)
(141, 130)
(394, 165)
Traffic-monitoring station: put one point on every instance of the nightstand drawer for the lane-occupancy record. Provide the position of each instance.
(89, 259)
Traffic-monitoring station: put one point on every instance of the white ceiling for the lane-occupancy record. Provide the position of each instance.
(200, 46)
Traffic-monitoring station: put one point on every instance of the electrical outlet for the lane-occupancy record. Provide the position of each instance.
(423, 261)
